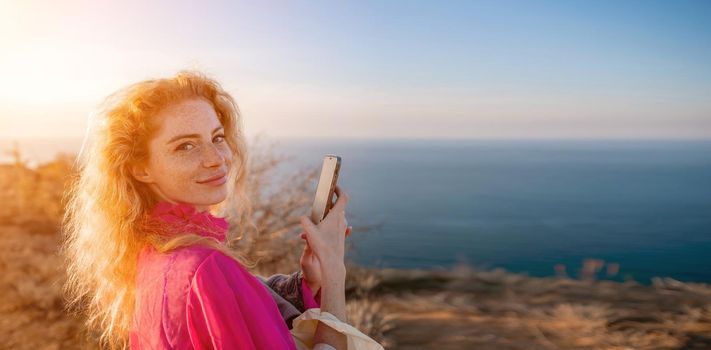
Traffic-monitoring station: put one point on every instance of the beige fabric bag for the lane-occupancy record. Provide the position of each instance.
(304, 329)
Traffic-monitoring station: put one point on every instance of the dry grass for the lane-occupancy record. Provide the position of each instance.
(31, 310)
(469, 309)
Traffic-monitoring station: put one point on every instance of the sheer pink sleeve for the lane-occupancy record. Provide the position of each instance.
(310, 300)
(227, 308)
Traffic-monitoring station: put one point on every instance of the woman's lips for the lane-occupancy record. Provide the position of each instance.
(215, 181)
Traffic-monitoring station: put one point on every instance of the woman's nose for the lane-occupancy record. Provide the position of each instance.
(212, 156)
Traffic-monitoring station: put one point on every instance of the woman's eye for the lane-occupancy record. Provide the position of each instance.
(183, 147)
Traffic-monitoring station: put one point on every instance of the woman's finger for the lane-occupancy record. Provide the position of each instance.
(314, 236)
(342, 200)
(342, 217)
(337, 190)
(307, 224)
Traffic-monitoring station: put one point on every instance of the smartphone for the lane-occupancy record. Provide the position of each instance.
(326, 187)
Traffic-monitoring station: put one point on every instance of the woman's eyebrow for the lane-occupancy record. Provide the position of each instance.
(194, 136)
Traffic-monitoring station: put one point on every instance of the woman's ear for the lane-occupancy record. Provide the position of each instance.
(140, 173)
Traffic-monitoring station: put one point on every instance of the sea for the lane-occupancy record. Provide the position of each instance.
(628, 209)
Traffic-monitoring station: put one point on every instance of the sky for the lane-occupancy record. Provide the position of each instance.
(373, 69)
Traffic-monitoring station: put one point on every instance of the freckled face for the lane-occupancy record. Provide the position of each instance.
(187, 151)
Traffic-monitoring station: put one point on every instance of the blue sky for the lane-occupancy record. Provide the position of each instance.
(479, 69)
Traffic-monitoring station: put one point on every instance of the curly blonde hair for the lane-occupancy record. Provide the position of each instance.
(105, 225)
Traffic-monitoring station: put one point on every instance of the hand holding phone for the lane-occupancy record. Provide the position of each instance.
(327, 237)
(323, 205)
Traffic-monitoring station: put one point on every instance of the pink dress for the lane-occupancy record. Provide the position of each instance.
(199, 298)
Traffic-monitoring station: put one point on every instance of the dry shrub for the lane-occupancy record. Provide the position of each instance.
(31, 309)
(370, 316)
(32, 197)
(278, 200)
(366, 311)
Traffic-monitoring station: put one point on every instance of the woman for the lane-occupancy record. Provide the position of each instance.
(145, 241)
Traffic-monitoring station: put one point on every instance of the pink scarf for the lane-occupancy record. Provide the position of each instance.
(182, 216)
(197, 297)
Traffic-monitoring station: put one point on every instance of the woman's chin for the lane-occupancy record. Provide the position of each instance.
(219, 198)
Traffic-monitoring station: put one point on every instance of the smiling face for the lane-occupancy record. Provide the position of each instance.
(187, 149)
